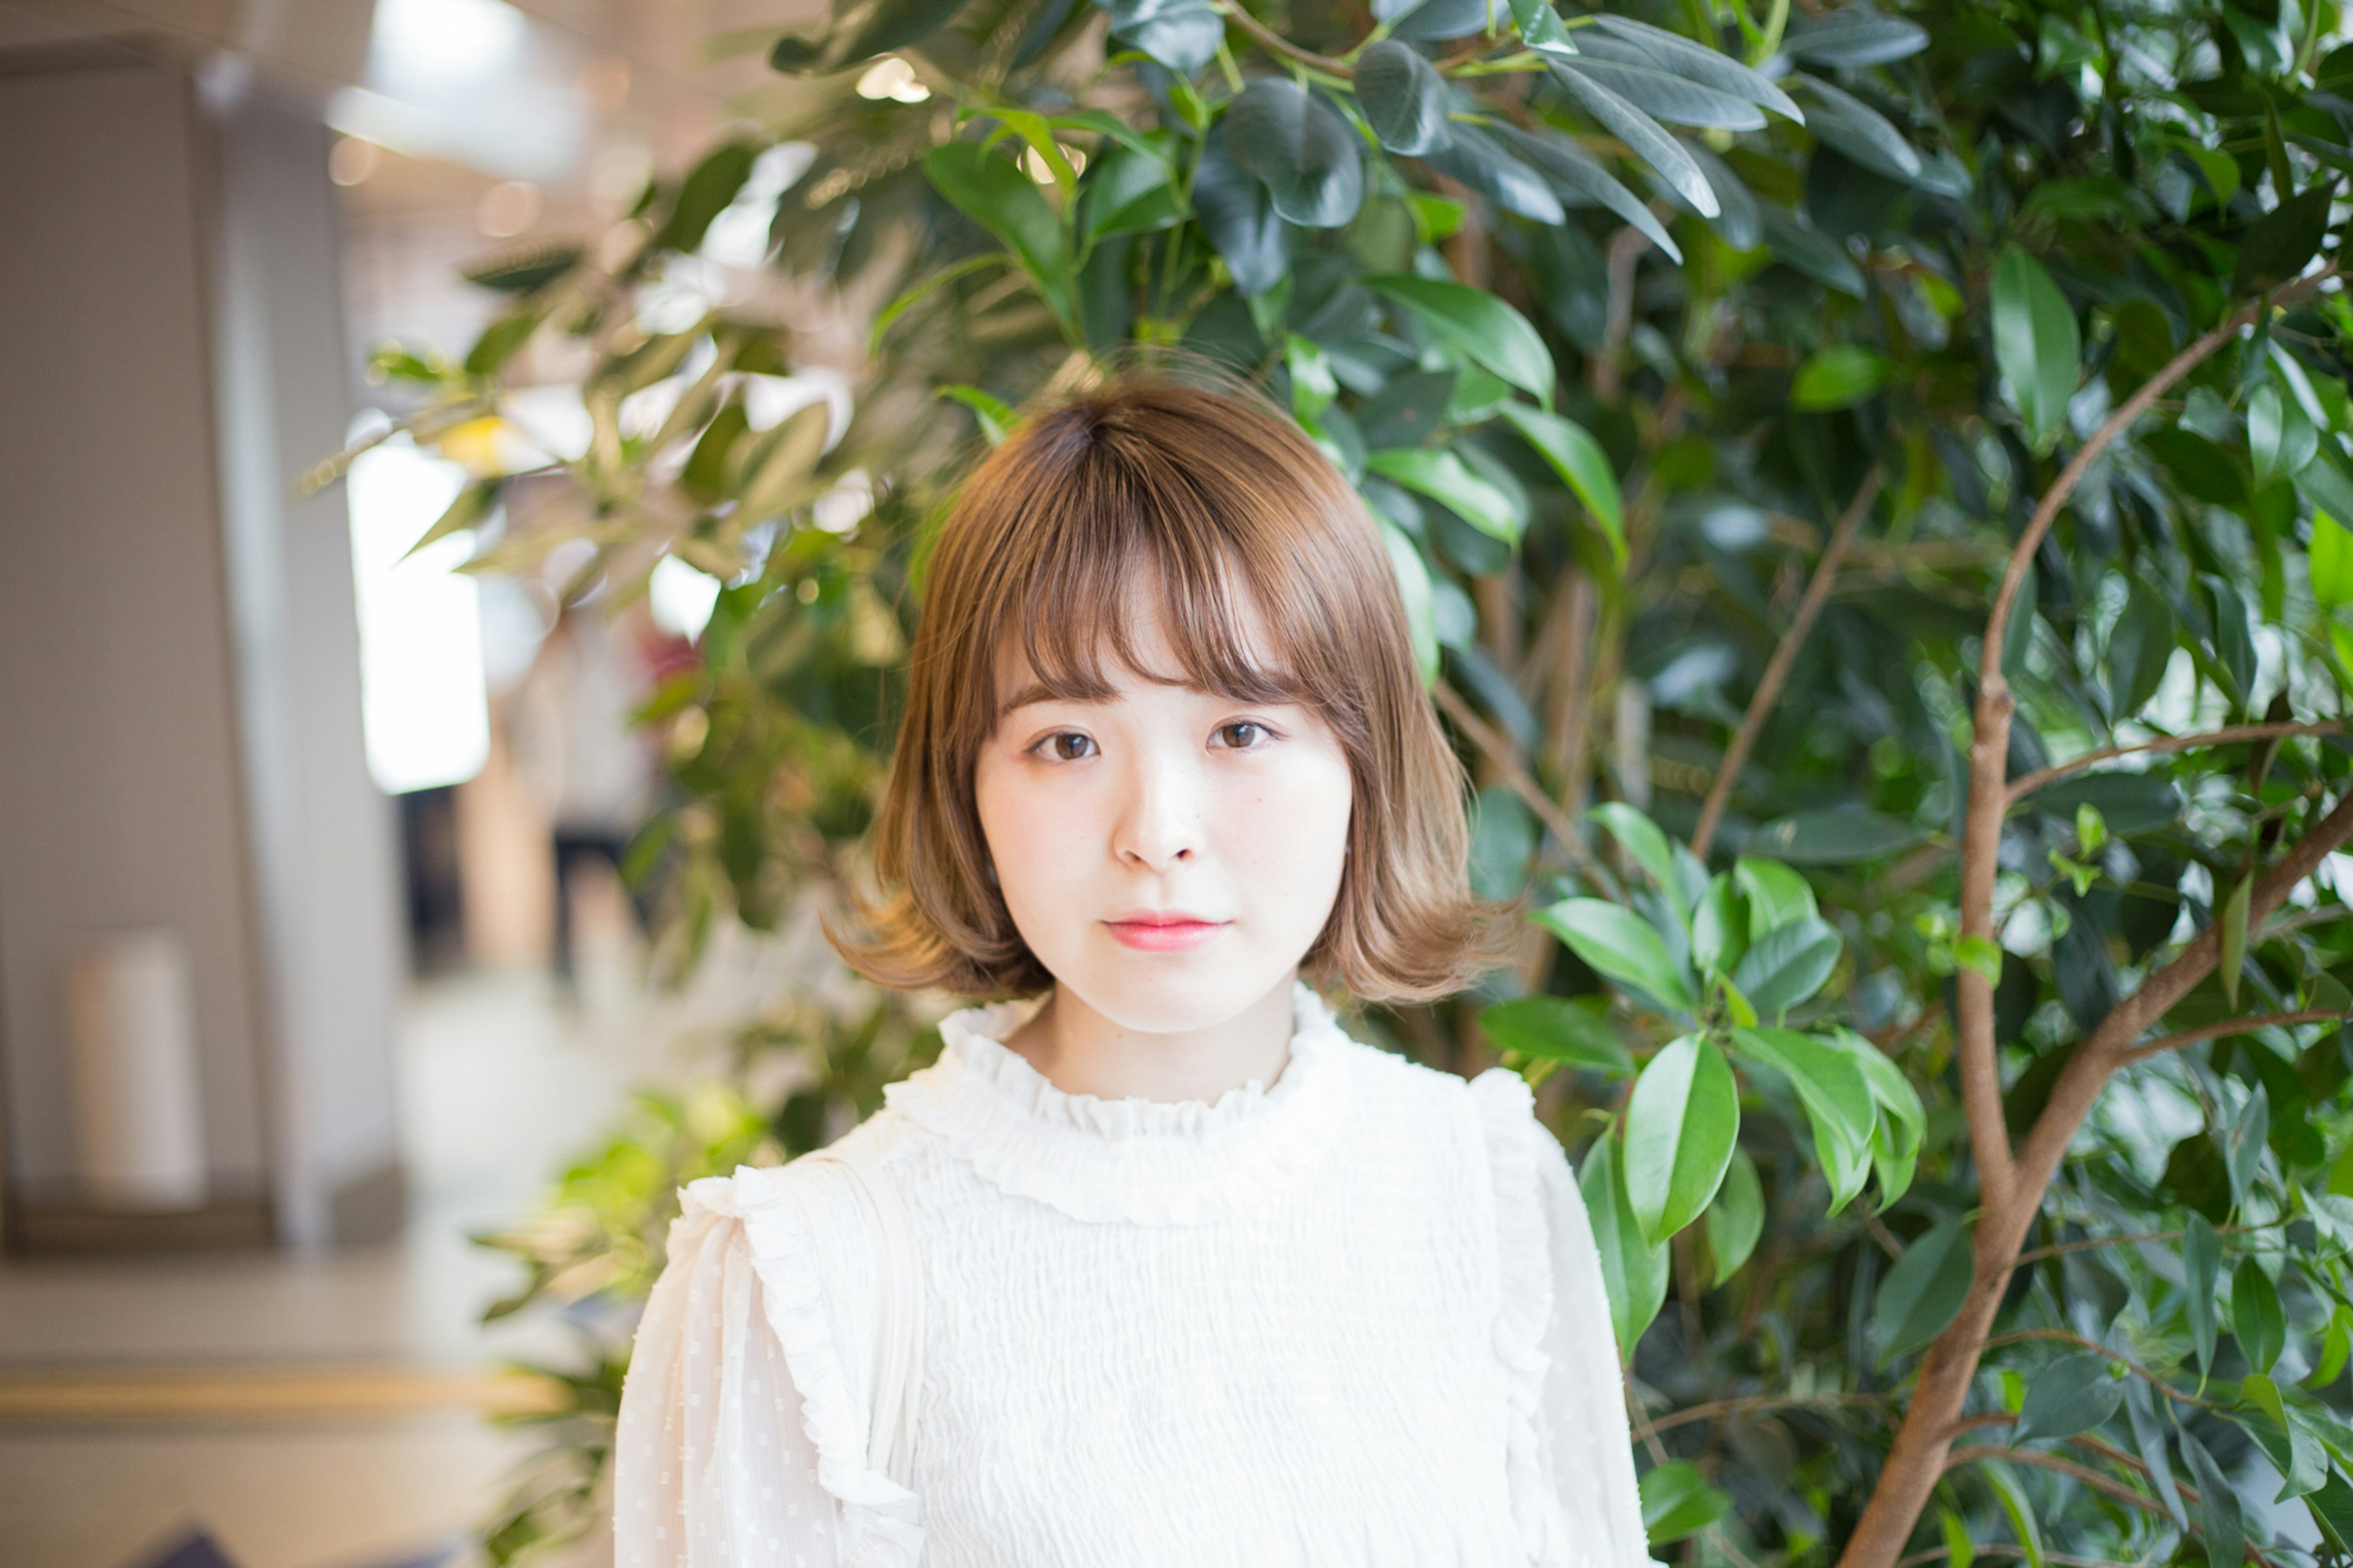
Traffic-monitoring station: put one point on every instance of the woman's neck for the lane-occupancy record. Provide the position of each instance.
(1079, 1051)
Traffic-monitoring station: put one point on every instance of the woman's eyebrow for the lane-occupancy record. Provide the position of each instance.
(1038, 691)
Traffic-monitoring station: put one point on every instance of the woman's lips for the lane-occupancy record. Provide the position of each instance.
(1163, 935)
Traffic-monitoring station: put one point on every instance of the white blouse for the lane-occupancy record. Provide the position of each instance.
(1356, 1319)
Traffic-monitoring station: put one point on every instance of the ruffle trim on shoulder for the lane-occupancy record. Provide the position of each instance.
(883, 1520)
(1140, 1161)
(1524, 1276)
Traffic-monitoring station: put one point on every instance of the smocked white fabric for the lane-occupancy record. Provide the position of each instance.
(1352, 1320)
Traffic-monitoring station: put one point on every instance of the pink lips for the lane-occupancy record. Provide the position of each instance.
(1164, 933)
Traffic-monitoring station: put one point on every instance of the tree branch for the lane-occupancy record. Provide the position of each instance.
(2028, 783)
(2231, 1026)
(1717, 1407)
(1274, 43)
(2040, 1460)
(1777, 671)
(1505, 756)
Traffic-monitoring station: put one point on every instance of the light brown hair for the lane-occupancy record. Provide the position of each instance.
(1216, 501)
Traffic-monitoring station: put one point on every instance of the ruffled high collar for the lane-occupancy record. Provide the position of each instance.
(1142, 1161)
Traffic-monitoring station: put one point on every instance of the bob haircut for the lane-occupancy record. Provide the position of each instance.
(1216, 502)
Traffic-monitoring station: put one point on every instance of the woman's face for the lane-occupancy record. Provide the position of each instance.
(1168, 854)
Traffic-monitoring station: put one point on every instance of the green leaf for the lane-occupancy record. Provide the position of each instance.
(1787, 964)
(1697, 62)
(1633, 1272)
(2228, 968)
(1835, 1094)
(1442, 475)
(1571, 1029)
(1862, 132)
(994, 193)
(2019, 1508)
(1681, 1124)
(1793, 239)
(1128, 193)
(1238, 216)
(2225, 1536)
(923, 288)
(2332, 1509)
(2280, 244)
(2149, 1437)
(2138, 650)
(2035, 340)
(1855, 37)
(1641, 839)
(1581, 462)
(1182, 35)
(1582, 180)
(1620, 946)
(1630, 73)
(2332, 562)
(1481, 327)
(1922, 1291)
(1478, 161)
(2255, 1319)
(2071, 1394)
(501, 340)
(1300, 149)
(1677, 1501)
(859, 31)
(473, 504)
(1837, 836)
(1838, 378)
(706, 193)
(2201, 1263)
(1735, 1220)
(1776, 895)
(1412, 573)
(1641, 133)
(997, 420)
(2279, 438)
(1403, 98)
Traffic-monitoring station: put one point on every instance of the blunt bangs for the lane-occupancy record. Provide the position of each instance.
(1216, 510)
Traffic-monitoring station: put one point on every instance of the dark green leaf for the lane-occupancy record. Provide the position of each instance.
(1182, 35)
(1582, 181)
(2129, 804)
(1736, 1219)
(1837, 1098)
(1403, 96)
(1797, 242)
(1787, 965)
(2279, 245)
(1619, 945)
(859, 31)
(1484, 328)
(1662, 152)
(1434, 19)
(1923, 1291)
(1300, 149)
(1855, 37)
(1681, 1124)
(1678, 1500)
(2035, 341)
(993, 192)
(1238, 215)
(1836, 836)
(1699, 63)
(2232, 964)
(1860, 132)
(2138, 650)
(1632, 75)
(2202, 1268)
(2225, 1541)
(1480, 162)
(2149, 1437)
(2255, 1321)
(2071, 1394)
(473, 504)
(1571, 1029)
(1633, 1272)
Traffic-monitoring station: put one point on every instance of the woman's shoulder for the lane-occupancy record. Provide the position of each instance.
(1498, 1100)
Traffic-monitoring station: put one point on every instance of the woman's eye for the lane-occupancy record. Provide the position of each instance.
(1242, 735)
(1069, 746)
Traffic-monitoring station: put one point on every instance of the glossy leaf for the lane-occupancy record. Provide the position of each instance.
(1581, 180)
(1444, 477)
(1640, 838)
(2255, 1321)
(1776, 895)
(1697, 62)
(1662, 152)
(1632, 75)
(1581, 462)
(1633, 1272)
(1679, 1500)
(1491, 168)
(1838, 378)
(1575, 1030)
(1837, 836)
(1923, 1290)
(1403, 96)
(1854, 36)
(1300, 149)
(1182, 35)
(1836, 1096)
(1860, 132)
(1487, 330)
(859, 31)
(1787, 964)
(993, 192)
(2282, 243)
(1681, 1127)
(2071, 1394)
(1238, 216)
(1735, 1220)
(2218, 1504)
(1619, 945)
(2035, 340)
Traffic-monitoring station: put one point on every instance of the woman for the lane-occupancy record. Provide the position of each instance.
(1200, 1279)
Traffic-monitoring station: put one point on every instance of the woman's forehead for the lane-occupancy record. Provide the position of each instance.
(1140, 643)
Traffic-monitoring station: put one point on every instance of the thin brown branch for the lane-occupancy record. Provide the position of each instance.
(2232, 1026)
(2021, 554)
(2042, 1461)
(2087, 1243)
(2027, 784)
(2063, 1337)
(1716, 1407)
(2010, 1549)
(1626, 247)
(1274, 43)
(1777, 670)
(1509, 767)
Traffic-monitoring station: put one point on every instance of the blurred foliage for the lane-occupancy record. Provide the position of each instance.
(1628, 326)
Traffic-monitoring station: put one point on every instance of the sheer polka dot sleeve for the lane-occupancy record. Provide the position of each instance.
(712, 1465)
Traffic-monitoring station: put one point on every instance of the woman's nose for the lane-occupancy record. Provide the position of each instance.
(1160, 821)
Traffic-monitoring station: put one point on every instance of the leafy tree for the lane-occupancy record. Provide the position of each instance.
(1882, 471)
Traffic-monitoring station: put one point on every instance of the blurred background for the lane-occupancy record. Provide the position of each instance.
(313, 957)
